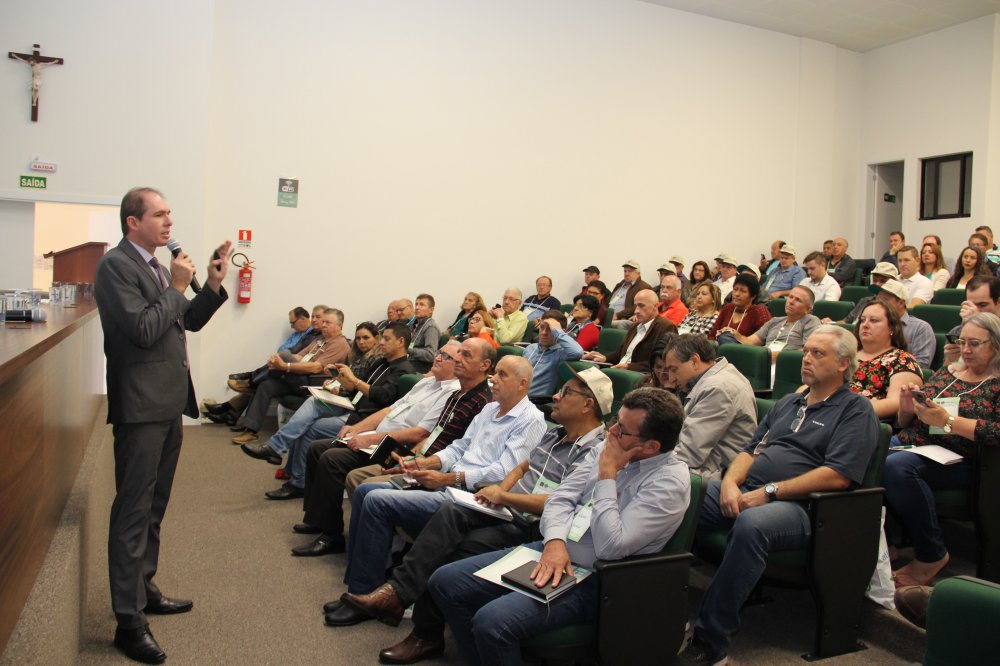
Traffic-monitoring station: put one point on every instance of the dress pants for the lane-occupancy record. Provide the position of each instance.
(327, 465)
(453, 533)
(272, 387)
(145, 461)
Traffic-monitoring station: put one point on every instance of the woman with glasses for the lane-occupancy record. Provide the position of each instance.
(884, 365)
(600, 291)
(956, 409)
(481, 325)
(472, 302)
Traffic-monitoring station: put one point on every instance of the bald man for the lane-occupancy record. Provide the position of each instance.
(636, 350)
(841, 266)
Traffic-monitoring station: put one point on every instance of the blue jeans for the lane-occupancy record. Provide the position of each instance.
(376, 509)
(489, 621)
(752, 535)
(910, 481)
(314, 419)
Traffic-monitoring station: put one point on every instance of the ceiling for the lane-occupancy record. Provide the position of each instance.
(858, 25)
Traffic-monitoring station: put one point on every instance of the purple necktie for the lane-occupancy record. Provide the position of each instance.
(159, 273)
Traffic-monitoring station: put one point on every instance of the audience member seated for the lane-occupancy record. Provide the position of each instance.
(841, 266)
(390, 315)
(750, 269)
(883, 271)
(920, 339)
(969, 265)
(600, 291)
(788, 274)
(720, 413)
(761, 499)
(288, 374)
(992, 251)
(769, 265)
(472, 303)
(828, 249)
(636, 350)
(511, 323)
(332, 466)
(788, 332)
(622, 298)
(982, 294)
(584, 326)
(727, 273)
(884, 365)
(455, 532)
(426, 334)
(700, 272)
(955, 409)
(228, 412)
(590, 274)
(704, 310)
(919, 288)
(671, 306)
(542, 300)
(634, 490)
(742, 316)
(932, 266)
(404, 312)
(821, 283)
(554, 346)
(896, 242)
(498, 440)
(678, 263)
(482, 325)
(316, 419)
(982, 243)
(658, 376)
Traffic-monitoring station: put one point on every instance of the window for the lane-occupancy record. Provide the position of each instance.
(946, 186)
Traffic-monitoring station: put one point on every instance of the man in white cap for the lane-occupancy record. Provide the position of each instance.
(883, 271)
(622, 299)
(920, 339)
(821, 283)
(727, 273)
(787, 275)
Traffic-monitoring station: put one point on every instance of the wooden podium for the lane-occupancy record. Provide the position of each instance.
(77, 264)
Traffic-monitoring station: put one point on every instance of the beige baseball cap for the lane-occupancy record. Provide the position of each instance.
(678, 259)
(787, 249)
(631, 263)
(749, 267)
(894, 287)
(885, 269)
(726, 258)
(599, 384)
(667, 268)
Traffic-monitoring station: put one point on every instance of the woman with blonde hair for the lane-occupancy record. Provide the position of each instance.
(472, 302)
(932, 266)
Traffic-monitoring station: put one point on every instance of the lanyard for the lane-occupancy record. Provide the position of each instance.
(963, 392)
(449, 408)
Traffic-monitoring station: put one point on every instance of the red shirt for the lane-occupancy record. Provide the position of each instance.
(674, 312)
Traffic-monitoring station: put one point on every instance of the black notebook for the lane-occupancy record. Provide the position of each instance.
(520, 578)
(382, 454)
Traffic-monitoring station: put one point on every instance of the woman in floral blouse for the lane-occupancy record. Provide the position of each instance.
(958, 409)
(884, 365)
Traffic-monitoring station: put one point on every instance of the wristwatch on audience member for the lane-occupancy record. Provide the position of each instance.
(946, 428)
(771, 490)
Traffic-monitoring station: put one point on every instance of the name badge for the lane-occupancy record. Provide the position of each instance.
(332, 386)
(356, 399)
(951, 406)
(683, 330)
(544, 485)
(431, 439)
(778, 346)
(398, 409)
(581, 522)
(307, 357)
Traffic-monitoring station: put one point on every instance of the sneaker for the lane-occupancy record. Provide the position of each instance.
(701, 653)
(282, 475)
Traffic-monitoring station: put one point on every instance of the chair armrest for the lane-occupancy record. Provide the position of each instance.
(642, 607)
(846, 527)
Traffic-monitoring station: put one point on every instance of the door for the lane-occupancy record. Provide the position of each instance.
(884, 209)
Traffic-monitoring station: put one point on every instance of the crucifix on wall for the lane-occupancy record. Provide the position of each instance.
(36, 61)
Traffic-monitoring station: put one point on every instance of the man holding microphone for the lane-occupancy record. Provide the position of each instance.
(144, 314)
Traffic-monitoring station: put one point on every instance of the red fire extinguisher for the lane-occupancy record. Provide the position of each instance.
(245, 278)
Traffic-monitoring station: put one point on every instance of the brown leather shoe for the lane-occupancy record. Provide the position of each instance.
(911, 602)
(383, 603)
(410, 650)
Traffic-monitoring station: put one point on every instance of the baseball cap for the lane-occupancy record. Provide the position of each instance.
(749, 267)
(599, 384)
(894, 287)
(631, 263)
(592, 269)
(667, 268)
(885, 269)
(787, 249)
(678, 259)
(726, 258)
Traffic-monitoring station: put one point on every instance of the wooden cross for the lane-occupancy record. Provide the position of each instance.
(36, 61)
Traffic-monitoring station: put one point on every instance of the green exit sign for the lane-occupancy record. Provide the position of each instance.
(35, 182)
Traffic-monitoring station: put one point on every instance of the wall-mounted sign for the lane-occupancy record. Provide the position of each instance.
(34, 182)
(288, 192)
(245, 238)
(51, 167)
(890, 198)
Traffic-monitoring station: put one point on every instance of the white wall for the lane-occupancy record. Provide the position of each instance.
(929, 96)
(17, 229)
(59, 226)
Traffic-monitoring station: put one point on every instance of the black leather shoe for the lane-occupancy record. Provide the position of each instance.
(324, 544)
(410, 650)
(286, 492)
(221, 419)
(241, 375)
(139, 644)
(218, 409)
(262, 452)
(346, 616)
(331, 606)
(168, 606)
(306, 528)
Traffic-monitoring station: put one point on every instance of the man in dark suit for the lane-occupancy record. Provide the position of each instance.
(144, 314)
(636, 350)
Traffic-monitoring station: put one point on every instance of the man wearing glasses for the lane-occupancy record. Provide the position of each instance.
(819, 440)
(455, 532)
(627, 498)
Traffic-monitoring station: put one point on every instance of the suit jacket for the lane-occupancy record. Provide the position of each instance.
(629, 308)
(643, 354)
(144, 338)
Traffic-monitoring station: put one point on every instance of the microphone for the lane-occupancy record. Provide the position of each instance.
(175, 249)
